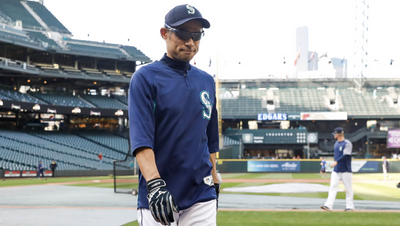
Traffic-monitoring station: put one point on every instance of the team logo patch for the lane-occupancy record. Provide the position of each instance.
(205, 99)
(190, 9)
(340, 148)
(208, 180)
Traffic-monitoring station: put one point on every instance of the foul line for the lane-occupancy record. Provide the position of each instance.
(304, 210)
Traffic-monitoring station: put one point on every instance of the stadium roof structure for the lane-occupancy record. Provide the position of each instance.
(30, 24)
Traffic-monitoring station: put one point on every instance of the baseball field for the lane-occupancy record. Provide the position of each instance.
(366, 187)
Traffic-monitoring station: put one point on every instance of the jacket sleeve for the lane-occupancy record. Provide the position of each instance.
(212, 128)
(348, 148)
(141, 101)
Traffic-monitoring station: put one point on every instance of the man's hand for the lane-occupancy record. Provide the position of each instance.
(161, 202)
(333, 164)
(216, 185)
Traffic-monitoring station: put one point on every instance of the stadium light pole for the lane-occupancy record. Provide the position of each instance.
(361, 42)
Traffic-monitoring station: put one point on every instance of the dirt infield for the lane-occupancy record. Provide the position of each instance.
(228, 180)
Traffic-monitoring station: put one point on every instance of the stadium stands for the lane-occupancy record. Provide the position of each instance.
(48, 68)
(301, 100)
(22, 151)
(93, 72)
(95, 49)
(40, 37)
(113, 74)
(241, 107)
(71, 70)
(76, 142)
(135, 52)
(105, 102)
(16, 11)
(249, 101)
(364, 103)
(107, 139)
(62, 100)
(17, 65)
(10, 94)
(13, 36)
(47, 17)
(123, 99)
(29, 152)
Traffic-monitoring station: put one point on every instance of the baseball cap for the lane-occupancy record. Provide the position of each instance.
(184, 13)
(337, 130)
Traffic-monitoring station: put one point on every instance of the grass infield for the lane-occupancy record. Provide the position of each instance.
(285, 218)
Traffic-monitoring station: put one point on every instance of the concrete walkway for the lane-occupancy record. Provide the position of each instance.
(60, 205)
(65, 205)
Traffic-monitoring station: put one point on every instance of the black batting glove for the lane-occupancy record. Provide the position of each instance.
(217, 191)
(161, 203)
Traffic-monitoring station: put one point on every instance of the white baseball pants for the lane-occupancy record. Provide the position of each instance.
(200, 214)
(346, 178)
(384, 172)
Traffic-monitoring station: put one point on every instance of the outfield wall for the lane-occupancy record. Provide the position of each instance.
(297, 166)
(82, 173)
(252, 165)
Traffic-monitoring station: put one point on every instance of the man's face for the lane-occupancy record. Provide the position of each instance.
(336, 136)
(178, 49)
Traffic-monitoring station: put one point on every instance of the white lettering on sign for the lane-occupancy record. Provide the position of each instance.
(395, 140)
(272, 116)
(289, 165)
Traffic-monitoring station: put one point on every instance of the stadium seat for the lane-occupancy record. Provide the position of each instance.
(63, 100)
(16, 11)
(104, 102)
(47, 17)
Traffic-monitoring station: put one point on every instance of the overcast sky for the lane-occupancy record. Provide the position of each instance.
(258, 34)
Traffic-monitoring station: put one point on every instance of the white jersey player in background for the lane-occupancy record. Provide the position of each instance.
(341, 171)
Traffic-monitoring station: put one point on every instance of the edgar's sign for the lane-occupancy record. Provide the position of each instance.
(272, 117)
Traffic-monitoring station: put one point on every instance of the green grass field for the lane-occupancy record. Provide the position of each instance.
(233, 218)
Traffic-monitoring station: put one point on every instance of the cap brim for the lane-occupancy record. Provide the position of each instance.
(203, 22)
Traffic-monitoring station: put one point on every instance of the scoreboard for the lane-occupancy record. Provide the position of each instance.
(278, 136)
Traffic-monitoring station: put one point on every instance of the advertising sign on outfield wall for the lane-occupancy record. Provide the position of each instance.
(358, 166)
(12, 173)
(48, 173)
(393, 138)
(29, 173)
(307, 116)
(273, 166)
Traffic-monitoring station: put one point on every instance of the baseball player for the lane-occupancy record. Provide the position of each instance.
(385, 168)
(174, 129)
(341, 171)
(40, 170)
(323, 167)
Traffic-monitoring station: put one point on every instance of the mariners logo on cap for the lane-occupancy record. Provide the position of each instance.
(190, 9)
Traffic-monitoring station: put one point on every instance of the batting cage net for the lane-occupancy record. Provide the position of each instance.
(125, 173)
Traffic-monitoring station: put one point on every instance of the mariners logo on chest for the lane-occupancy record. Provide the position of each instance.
(207, 108)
